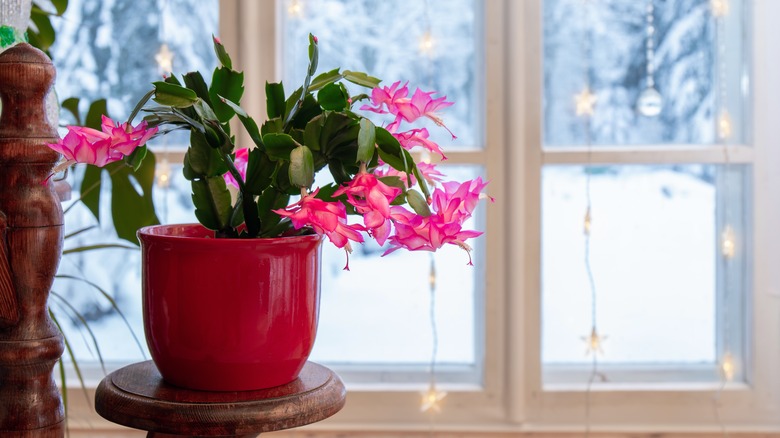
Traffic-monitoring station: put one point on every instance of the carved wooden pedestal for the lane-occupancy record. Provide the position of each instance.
(136, 396)
(30, 249)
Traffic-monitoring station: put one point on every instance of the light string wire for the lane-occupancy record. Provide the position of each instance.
(725, 363)
(593, 339)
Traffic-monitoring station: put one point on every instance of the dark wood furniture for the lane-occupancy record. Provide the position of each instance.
(137, 397)
(30, 249)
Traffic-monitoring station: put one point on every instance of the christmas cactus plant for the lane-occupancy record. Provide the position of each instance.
(248, 192)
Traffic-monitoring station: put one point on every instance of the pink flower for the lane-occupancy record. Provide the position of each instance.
(386, 97)
(241, 161)
(427, 170)
(422, 105)
(452, 206)
(329, 218)
(114, 142)
(372, 199)
(418, 137)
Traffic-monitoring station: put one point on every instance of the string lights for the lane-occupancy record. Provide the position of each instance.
(295, 9)
(432, 397)
(164, 58)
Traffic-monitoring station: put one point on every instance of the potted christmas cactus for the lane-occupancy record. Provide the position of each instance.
(232, 303)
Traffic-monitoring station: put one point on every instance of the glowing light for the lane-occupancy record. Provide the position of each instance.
(586, 224)
(585, 102)
(427, 44)
(727, 367)
(719, 8)
(164, 59)
(432, 275)
(594, 342)
(431, 400)
(295, 9)
(728, 242)
(162, 174)
(724, 125)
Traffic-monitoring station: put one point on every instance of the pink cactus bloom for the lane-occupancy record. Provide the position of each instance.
(329, 218)
(241, 162)
(372, 199)
(418, 137)
(384, 98)
(452, 206)
(114, 142)
(421, 105)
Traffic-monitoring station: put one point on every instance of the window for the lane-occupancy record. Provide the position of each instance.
(657, 255)
(662, 191)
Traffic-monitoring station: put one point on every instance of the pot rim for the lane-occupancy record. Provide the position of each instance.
(155, 232)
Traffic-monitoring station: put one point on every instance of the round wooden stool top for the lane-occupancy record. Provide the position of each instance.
(136, 396)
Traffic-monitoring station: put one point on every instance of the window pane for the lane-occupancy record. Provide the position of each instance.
(697, 65)
(106, 50)
(655, 253)
(373, 37)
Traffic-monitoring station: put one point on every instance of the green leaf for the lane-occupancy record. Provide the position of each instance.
(366, 141)
(259, 172)
(311, 135)
(272, 126)
(95, 114)
(230, 84)
(173, 95)
(274, 99)
(204, 111)
(279, 146)
(391, 152)
(139, 105)
(87, 248)
(136, 158)
(249, 124)
(271, 200)
(314, 55)
(60, 5)
(418, 203)
(324, 79)
(90, 190)
(301, 167)
(212, 202)
(131, 210)
(361, 78)
(195, 82)
(222, 54)
(202, 159)
(333, 97)
(340, 174)
(71, 104)
(44, 31)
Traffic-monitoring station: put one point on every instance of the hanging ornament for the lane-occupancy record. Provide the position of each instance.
(650, 101)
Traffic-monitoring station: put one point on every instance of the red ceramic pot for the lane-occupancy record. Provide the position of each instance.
(228, 314)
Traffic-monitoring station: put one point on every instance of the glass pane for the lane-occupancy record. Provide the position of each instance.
(365, 321)
(698, 66)
(106, 50)
(373, 37)
(663, 291)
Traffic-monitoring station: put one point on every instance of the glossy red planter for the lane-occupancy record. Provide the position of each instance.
(229, 314)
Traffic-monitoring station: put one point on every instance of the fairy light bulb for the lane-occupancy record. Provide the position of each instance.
(724, 125)
(164, 59)
(162, 174)
(584, 102)
(432, 276)
(719, 8)
(593, 342)
(587, 222)
(728, 367)
(432, 400)
(427, 43)
(728, 242)
(295, 9)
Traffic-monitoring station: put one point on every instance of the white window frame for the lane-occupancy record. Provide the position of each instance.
(512, 399)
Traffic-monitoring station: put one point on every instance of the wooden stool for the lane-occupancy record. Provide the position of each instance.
(137, 397)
